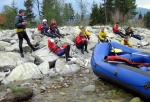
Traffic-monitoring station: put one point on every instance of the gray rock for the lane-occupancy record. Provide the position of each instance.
(3, 45)
(44, 55)
(2, 76)
(89, 88)
(44, 67)
(42, 88)
(136, 99)
(22, 72)
(63, 69)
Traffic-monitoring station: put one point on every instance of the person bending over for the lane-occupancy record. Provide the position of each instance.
(20, 24)
(117, 31)
(64, 49)
(54, 29)
(126, 42)
(103, 35)
(82, 42)
(83, 29)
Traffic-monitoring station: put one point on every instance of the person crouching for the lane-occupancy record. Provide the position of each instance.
(64, 49)
(82, 42)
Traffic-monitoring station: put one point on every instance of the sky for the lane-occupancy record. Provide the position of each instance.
(140, 3)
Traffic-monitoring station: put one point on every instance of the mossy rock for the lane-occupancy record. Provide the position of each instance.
(18, 94)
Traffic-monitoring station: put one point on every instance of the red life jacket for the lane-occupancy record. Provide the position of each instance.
(127, 61)
(79, 39)
(54, 47)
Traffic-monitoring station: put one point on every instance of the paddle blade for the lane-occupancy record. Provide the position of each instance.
(115, 50)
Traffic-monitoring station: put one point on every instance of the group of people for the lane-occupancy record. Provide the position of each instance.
(81, 41)
(50, 30)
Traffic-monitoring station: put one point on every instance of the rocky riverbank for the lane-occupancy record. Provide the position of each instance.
(51, 77)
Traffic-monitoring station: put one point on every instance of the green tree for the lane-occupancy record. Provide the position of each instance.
(101, 17)
(29, 15)
(140, 16)
(147, 20)
(94, 16)
(10, 12)
(126, 7)
(52, 10)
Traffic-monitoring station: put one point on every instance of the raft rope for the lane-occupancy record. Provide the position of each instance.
(115, 73)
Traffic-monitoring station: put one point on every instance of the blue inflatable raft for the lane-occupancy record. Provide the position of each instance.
(134, 79)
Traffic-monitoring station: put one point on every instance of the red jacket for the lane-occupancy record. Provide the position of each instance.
(80, 38)
(40, 26)
(54, 47)
(115, 28)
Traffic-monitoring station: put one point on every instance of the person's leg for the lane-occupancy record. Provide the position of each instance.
(121, 34)
(85, 44)
(20, 37)
(25, 36)
(88, 37)
(67, 50)
(80, 46)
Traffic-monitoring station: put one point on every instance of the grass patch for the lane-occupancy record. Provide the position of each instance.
(17, 90)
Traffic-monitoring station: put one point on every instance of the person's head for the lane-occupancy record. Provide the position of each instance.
(21, 12)
(83, 28)
(81, 33)
(44, 21)
(126, 38)
(102, 29)
(53, 21)
(117, 23)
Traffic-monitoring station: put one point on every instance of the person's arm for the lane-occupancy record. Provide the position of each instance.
(87, 33)
(129, 44)
(17, 23)
(100, 36)
(40, 27)
(57, 29)
(122, 42)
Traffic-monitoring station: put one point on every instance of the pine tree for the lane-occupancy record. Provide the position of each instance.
(94, 16)
(101, 17)
(126, 7)
(140, 16)
(29, 15)
(147, 20)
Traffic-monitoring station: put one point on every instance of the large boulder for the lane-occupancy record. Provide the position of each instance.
(11, 59)
(22, 72)
(44, 55)
(64, 69)
(44, 67)
(3, 45)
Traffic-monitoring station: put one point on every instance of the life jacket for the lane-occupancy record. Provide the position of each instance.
(54, 47)
(43, 28)
(79, 39)
(125, 60)
(115, 28)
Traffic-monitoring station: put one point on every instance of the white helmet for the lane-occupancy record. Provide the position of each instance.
(51, 40)
(44, 20)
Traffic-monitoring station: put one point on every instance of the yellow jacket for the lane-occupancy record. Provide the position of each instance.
(101, 35)
(86, 33)
(126, 43)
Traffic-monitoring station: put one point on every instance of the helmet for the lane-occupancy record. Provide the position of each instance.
(51, 40)
(44, 20)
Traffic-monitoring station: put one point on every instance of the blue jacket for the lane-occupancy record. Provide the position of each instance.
(53, 28)
(18, 22)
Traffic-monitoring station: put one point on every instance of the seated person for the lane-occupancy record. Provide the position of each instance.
(64, 49)
(129, 31)
(103, 35)
(43, 27)
(83, 29)
(117, 31)
(82, 42)
(54, 29)
(126, 42)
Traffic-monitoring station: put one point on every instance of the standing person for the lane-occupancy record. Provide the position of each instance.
(82, 42)
(64, 49)
(83, 29)
(54, 29)
(103, 35)
(126, 42)
(117, 31)
(20, 24)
